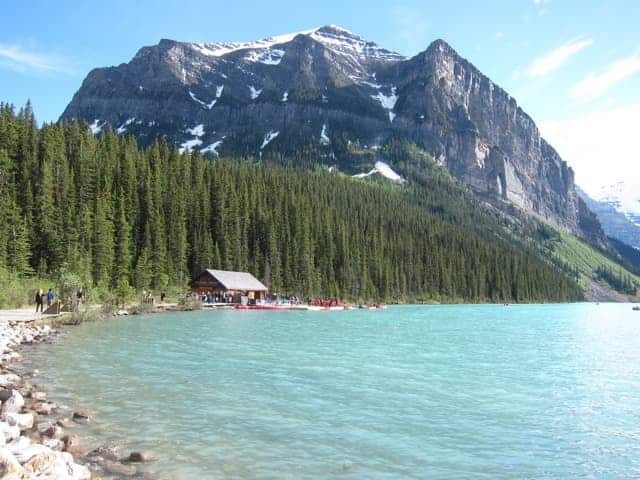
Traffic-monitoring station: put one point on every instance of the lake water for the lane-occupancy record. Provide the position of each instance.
(446, 392)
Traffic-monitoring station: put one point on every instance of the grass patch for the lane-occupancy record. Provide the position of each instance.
(576, 253)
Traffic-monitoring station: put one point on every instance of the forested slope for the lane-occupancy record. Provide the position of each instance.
(116, 214)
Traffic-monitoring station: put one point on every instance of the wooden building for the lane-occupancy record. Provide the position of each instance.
(224, 284)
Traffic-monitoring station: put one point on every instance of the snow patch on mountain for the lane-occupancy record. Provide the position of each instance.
(324, 138)
(213, 148)
(196, 131)
(222, 48)
(190, 144)
(268, 137)
(206, 105)
(271, 56)
(388, 102)
(624, 197)
(351, 46)
(95, 126)
(255, 93)
(383, 169)
(123, 128)
(285, 96)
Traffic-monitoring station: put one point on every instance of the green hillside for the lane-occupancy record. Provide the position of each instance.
(115, 215)
(590, 264)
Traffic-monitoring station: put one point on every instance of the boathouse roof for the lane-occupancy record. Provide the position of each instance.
(242, 281)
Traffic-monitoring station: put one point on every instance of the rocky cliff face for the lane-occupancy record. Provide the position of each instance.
(323, 90)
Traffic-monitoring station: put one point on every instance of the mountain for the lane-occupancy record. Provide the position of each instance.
(617, 212)
(338, 99)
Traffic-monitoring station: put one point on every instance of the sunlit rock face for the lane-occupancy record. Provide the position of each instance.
(320, 91)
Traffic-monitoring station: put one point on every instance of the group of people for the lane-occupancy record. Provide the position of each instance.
(210, 297)
(148, 298)
(41, 297)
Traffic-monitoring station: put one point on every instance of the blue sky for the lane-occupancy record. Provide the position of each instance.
(574, 66)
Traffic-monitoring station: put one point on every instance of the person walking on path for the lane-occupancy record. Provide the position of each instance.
(50, 296)
(39, 300)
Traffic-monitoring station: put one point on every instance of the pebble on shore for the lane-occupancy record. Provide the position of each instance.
(30, 448)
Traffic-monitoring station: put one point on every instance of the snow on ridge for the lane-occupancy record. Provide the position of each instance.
(196, 131)
(206, 105)
(123, 128)
(190, 144)
(388, 102)
(219, 90)
(623, 196)
(95, 126)
(213, 148)
(270, 56)
(324, 138)
(223, 48)
(334, 37)
(254, 92)
(383, 169)
(268, 137)
(351, 45)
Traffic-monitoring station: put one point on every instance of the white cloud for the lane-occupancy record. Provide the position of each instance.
(557, 57)
(596, 85)
(499, 35)
(601, 145)
(17, 58)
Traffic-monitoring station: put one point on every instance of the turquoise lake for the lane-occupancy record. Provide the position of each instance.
(442, 392)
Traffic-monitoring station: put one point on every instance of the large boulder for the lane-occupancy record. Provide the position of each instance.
(27, 453)
(24, 421)
(9, 432)
(9, 466)
(9, 379)
(14, 403)
(18, 444)
(55, 466)
(43, 408)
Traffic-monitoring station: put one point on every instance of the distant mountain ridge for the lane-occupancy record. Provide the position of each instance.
(328, 93)
(617, 220)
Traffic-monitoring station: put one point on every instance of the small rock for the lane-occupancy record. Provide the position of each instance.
(66, 423)
(80, 415)
(76, 450)
(48, 429)
(71, 440)
(121, 469)
(43, 408)
(4, 395)
(39, 396)
(53, 443)
(138, 457)
(108, 452)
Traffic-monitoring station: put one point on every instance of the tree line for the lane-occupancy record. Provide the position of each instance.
(117, 215)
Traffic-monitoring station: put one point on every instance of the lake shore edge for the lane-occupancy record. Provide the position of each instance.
(37, 438)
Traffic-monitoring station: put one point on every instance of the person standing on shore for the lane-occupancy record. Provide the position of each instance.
(50, 296)
(39, 300)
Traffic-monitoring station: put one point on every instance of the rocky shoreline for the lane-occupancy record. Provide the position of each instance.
(36, 439)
